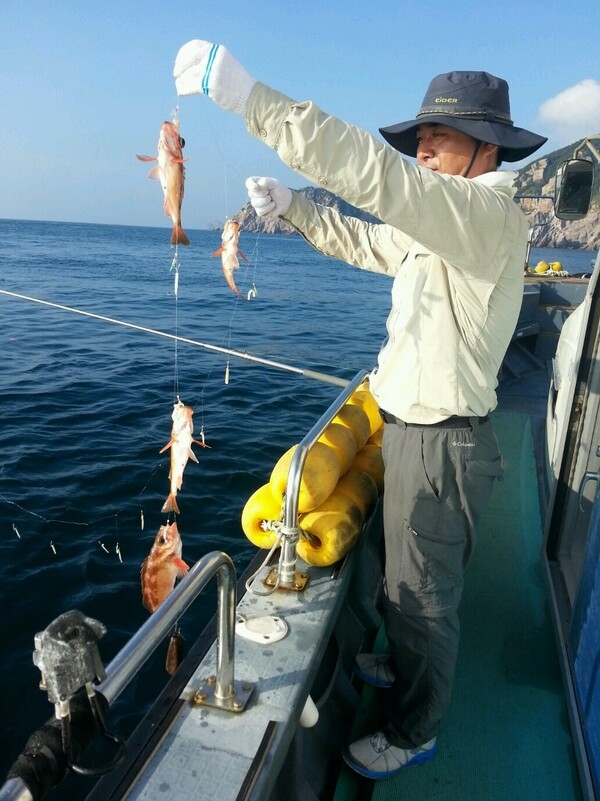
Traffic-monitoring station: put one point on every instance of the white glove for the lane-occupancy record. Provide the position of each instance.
(268, 196)
(210, 68)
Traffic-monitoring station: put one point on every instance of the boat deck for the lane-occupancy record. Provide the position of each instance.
(507, 733)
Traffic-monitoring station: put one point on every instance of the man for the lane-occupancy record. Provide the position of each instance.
(455, 242)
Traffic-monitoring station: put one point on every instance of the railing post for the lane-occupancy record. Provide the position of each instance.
(287, 577)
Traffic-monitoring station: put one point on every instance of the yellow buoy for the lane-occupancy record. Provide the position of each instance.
(556, 266)
(370, 460)
(261, 509)
(365, 401)
(542, 267)
(354, 418)
(376, 438)
(361, 488)
(341, 440)
(319, 477)
(334, 527)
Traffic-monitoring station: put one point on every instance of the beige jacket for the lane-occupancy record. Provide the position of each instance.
(455, 247)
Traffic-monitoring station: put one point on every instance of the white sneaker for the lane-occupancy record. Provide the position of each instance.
(374, 669)
(376, 758)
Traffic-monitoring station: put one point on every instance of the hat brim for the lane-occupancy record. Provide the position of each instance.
(514, 143)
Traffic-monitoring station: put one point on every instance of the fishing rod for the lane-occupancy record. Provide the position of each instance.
(314, 374)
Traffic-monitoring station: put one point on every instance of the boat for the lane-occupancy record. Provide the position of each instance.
(265, 700)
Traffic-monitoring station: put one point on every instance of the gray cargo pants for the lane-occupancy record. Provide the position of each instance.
(438, 480)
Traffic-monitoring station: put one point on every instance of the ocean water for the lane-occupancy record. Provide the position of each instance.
(85, 407)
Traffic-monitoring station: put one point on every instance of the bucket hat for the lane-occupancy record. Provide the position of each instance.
(475, 103)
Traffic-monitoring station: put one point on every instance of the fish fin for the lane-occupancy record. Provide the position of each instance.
(154, 173)
(146, 158)
(167, 446)
(182, 567)
(202, 444)
(170, 505)
(217, 252)
(193, 456)
(243, 257)
(178, 236)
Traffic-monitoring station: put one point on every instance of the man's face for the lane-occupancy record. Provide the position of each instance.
(445, 150)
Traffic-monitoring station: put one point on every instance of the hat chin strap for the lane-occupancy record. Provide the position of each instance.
(478, 144)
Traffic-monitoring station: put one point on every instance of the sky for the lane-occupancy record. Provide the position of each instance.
(86, 85)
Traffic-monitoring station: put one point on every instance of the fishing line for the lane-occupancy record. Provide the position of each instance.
(307, 373)
(252, 292)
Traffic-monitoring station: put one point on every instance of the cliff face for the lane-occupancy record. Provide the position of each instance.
(250, 222)
(536, 178)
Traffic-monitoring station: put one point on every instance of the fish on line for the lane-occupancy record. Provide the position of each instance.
(162, 567)
(181, 450)
(170, 171)
(229, 253)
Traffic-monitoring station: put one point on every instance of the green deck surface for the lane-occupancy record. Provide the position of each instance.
(507, 733)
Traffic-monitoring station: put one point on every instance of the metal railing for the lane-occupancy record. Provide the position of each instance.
(126, 664)
(130, 659)
(290, 529)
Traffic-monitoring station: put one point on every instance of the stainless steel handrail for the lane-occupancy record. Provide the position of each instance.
(290, 528)
(140, 647)
(134, 654)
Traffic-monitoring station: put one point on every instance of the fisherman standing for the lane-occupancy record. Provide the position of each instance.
(454, 241)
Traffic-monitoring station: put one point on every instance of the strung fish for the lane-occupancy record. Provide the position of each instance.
(162, 567)
(229, 253)
(171, 173)
(181, 450)
(174, 650)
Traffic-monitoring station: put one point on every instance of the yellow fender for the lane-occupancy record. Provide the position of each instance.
(356, 419)
(370, 460)
(261, 507)
(364, 400)
(334, 527)
(361, 488)
(377, 437)
(341, 440)
(319, 477)
(556, 266)
(542, 267)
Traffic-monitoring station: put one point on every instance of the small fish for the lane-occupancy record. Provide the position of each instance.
(229, 252)
(171, 173)
(162, 567)
(181, 450)
(174, 650)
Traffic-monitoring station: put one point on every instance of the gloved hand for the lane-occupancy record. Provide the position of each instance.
(210, 68)
(268, 196)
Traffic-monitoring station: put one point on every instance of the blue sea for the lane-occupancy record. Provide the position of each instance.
(86, 407)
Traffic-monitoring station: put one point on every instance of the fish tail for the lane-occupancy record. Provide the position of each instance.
(178, 236)
(170, 505)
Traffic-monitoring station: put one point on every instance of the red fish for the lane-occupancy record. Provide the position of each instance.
(229, 252)
(171, 173)
(162, 567)
(181, 450)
